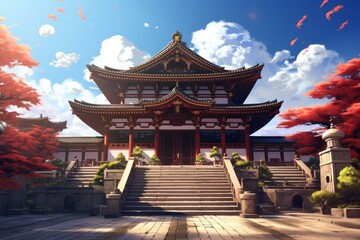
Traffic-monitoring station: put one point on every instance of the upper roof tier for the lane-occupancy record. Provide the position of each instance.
(175, 63)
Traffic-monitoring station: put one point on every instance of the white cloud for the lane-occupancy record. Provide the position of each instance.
(231, 46)
(310, 66)
(156, 27)
(46, 30)
(119, 53)
(54, 104)
(20, 71)
(64, 60)
(146, 24)
(281, 56)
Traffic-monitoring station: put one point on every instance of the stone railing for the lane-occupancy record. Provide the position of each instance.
(125, 179)
(302, 166)
(234, 181)
(70, 167)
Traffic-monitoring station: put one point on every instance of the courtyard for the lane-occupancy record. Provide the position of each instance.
(77, 226)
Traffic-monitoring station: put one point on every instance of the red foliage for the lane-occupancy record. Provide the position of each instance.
(343, 91)
(20, 153)
(13, 90)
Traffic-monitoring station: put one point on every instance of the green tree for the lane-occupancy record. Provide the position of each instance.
(215, 153)
(324, 199)
(349, 185)
(138, 152)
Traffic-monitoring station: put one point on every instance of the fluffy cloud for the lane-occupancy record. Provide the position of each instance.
(229, 45)
(46, 30)
(146, 24)
(283, 77)
(54, 104)
(281, 56)
(310, 65)
(117, 52)
(64, 60)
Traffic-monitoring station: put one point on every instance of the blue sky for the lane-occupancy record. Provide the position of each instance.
(231, 33)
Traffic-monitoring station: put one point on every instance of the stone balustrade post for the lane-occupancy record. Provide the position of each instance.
(248, 205)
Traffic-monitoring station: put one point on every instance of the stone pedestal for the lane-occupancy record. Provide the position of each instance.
(113, 205)
(248, 205)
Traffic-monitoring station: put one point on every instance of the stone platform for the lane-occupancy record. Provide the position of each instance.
(73, 226)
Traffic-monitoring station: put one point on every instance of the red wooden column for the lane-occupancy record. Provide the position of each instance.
(157, 119)
(131, 140)
(247, 141)
(156, 141)
(132, 124)
(197, 124)
(106, 143)
(197, 139)
(223, 135)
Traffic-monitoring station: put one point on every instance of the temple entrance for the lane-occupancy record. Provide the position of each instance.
(177, 147)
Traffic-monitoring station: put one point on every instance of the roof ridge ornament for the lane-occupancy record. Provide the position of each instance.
(177, 37)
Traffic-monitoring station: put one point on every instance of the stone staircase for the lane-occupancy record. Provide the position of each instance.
(81, 176)
(288, 177)
(188, 190)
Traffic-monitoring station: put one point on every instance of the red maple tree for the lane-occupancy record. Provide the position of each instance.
(20, 152)
(342, 89)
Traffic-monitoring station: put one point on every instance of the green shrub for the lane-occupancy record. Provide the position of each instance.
(324, 199)
(138, 152)
(215, 153)
(98, 180)
(349, 185)
(116, 165)
(120, 157)
(59, 163)
(264, 172)
(235, 157)
(200, 158)
(99, 177)
(261, 184)
(155, 159)
(243, 164)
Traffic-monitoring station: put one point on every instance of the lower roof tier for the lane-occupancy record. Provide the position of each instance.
(176, 113)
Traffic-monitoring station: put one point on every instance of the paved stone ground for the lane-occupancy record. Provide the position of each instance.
(75, 226)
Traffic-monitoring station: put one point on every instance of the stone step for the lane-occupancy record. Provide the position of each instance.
(182, 212)
(180, 185)
(182, 203)
(76, 175)
(289, 177)
(178, 194)
(80, 177)
(190, 198)
(179, 181)
(179, 207)
(170, 191)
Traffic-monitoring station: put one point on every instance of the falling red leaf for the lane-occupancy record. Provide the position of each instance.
(323, 3)
(343, 25)
(292, 43)
(61, 10)
(331, 12)
(81, 14)
(301, 21)
(52, 16)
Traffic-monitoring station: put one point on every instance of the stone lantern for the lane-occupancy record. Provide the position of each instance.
(333, 159)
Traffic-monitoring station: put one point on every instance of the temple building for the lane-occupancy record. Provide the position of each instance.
(26, 124)
(175, 105)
